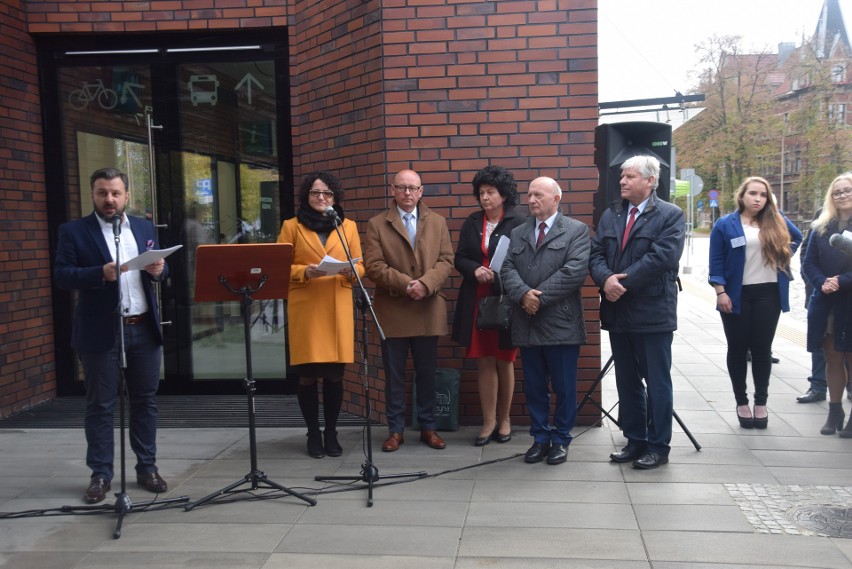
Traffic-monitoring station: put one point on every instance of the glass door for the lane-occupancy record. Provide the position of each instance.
(198, 132)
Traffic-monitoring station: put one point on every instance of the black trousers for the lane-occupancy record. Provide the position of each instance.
(752, 329)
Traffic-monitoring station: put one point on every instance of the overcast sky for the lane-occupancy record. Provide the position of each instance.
(646, 47)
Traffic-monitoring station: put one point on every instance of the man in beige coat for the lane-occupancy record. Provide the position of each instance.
(409, 257)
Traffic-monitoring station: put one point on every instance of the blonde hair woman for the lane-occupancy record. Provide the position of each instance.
(829, 270)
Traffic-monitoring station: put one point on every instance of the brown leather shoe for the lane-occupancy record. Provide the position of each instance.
(392, 442)
(152, 482)
(432, 439)
(97, 491)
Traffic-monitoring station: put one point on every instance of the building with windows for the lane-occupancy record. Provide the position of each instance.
(216, 109)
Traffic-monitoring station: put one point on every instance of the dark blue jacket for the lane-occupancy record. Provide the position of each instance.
(822, 261)
(81, 253)
(727, 263)
(651, 261)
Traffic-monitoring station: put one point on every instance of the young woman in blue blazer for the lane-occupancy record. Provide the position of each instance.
(750, 251)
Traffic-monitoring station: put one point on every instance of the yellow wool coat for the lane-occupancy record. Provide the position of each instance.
(320, 310)
(392, 263)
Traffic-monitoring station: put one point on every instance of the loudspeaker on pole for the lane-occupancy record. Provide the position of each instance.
(615, 143)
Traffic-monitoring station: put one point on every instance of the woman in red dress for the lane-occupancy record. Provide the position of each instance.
(495, 190)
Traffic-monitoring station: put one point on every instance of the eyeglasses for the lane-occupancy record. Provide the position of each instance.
(842, 193)
(317, 193)
(403, 189)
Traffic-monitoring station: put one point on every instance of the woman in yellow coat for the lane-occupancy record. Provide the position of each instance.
(320, 306)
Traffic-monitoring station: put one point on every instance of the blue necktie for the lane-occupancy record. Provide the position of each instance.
(409, 227)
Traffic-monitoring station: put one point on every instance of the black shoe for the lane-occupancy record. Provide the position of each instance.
(500, 438)
(774, 360)
(745, 422)
(849, 394)
(316, 448)
(629, 453)
(537, 452)
(650, 460)
(482, 441)
(811, 396)
(332, 446)
(834, 422)
(558, 454)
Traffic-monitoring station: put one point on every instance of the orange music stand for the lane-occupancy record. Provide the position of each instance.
(255, 271)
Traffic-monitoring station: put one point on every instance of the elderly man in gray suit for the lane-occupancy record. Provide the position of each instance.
(544, 273)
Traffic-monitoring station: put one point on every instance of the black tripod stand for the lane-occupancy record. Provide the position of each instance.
(587, 398)
(369, 471)
(123, 504)
(255, 478)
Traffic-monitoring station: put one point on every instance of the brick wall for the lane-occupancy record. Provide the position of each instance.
(442, 86)
(27, 374)
(511, 83)
(447, 87)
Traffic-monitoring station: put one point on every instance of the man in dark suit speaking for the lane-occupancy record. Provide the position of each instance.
(85, 262)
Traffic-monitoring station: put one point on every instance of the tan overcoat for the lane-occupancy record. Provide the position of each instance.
(391, 264)
(320, 310)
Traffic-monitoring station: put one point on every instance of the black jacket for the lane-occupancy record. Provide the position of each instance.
(468, 259)
(651, 261)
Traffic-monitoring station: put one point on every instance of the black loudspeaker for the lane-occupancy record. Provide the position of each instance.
(615, 143)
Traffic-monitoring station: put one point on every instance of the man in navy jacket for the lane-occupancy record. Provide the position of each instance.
(634, 260)
(85, 262)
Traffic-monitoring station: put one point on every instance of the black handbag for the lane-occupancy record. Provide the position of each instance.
(494, 312)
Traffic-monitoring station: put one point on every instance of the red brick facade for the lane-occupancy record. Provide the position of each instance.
(27, 370)
(441, 86)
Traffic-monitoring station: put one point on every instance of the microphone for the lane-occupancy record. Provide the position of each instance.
(116, 225)
(841, 241)
(329, 212)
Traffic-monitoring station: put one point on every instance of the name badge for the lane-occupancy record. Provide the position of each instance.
(738, 242)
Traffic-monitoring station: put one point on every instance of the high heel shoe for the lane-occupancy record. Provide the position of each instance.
(760, 422)
(834, 422)
(481, 441)
(501, 438)
(745, 422)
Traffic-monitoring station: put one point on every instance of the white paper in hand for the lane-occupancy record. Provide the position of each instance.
(499, 254)
(139, 262)
(331, 266)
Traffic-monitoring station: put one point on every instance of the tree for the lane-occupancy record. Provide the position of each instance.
(727, 141)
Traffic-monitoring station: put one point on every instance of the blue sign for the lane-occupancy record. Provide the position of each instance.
(713, 194)
(714, 203)
(699, 204)
(204, 191)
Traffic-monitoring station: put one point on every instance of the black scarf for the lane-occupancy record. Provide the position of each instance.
(318, 221)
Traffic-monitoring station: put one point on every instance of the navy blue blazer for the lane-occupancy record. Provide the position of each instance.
(727, 263)
(81, 253)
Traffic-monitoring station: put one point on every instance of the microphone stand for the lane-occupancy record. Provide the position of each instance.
(123, 503)
(369, 471)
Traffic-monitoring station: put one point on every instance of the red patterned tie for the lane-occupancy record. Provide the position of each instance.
(630, 223)
(541, 229)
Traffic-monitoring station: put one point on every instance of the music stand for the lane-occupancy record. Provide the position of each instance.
(260, 271)
(587, 398)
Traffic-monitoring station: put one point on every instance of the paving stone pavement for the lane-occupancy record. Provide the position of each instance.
(746, 499)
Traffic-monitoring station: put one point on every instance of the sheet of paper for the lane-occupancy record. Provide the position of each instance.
(331, 266)
(500, 254)
(139, 262)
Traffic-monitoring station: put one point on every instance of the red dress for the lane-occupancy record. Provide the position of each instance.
(485, 343)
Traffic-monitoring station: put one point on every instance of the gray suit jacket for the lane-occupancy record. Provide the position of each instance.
(558, 269)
